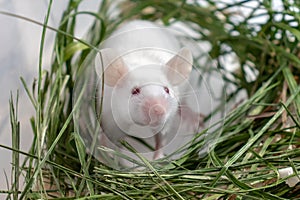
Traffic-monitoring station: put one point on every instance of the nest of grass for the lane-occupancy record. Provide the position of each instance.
(259, 136)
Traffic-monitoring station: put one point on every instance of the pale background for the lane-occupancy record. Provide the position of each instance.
(19, 54)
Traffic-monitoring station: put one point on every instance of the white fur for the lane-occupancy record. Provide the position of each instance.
(140, 54)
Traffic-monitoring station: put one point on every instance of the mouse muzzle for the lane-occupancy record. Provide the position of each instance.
(155, 111)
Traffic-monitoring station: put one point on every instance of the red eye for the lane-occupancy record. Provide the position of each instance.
(166, 90)
(135, 91)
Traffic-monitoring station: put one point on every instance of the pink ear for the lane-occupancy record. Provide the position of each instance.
(113, 65)
(179, 67)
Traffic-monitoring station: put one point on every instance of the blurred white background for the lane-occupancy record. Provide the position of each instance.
(19, 56)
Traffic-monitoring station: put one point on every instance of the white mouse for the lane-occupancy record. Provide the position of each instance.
(143, 68)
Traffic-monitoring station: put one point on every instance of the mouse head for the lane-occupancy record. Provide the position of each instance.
(144, 95)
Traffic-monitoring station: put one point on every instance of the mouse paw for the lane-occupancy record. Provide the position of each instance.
(158, 154)
(201, 118)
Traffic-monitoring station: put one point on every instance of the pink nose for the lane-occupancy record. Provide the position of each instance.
(157, 110)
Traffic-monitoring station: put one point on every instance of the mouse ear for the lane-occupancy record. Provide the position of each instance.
(112, 64)
(179, 67)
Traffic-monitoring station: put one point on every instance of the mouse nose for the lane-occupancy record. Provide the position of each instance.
(157, 115)
(155, 106)
(157, 109)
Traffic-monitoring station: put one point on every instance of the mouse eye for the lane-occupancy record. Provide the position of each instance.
(166, 90)
(135, 91)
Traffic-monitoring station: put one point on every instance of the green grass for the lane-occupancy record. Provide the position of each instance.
(258, 137)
